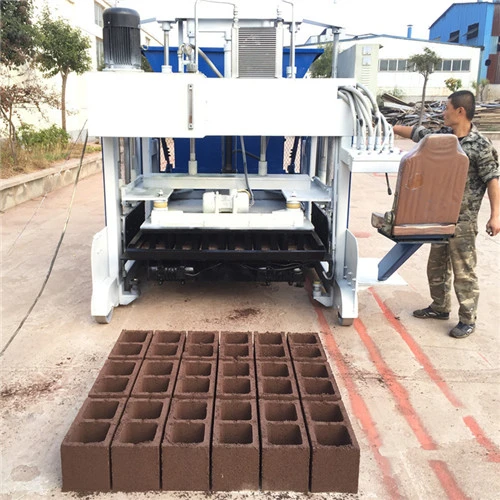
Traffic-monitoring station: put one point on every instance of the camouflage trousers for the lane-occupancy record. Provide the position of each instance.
(459, 258)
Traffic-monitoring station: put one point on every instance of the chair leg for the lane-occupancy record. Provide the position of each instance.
(395, 258)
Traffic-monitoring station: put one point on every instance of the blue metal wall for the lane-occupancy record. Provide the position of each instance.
(209, 150)
(460, 17)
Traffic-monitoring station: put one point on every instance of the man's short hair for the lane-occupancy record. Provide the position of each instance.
(464, 99)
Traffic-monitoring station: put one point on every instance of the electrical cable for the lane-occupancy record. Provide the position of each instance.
(245, 170)
(66, 155)
(51, 266)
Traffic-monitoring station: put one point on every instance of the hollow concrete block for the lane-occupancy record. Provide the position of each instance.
(85, 456)
(334, 458)
(235, 455)
(236, 345)
(236, 379)
(186, 445)
(316, 381)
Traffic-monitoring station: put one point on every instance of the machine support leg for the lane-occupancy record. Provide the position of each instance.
(395, 258)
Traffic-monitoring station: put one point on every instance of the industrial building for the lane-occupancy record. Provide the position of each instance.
(476, 24)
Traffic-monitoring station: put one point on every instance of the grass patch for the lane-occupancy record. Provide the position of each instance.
(38, 157)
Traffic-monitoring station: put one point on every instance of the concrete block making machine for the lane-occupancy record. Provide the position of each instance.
(198, 184)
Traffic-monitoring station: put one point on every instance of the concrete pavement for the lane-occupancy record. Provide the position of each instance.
(424, 406)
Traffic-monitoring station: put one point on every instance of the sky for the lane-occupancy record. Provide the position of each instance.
(357, 17)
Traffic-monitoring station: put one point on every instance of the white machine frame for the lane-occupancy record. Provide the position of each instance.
(198, 107)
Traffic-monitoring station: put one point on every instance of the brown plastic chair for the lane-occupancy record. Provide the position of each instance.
(427, 199)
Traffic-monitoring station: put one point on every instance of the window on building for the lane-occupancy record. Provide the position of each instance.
(393, 64)
(98, 10)
(454, 36)
(99, 53)
(472, 31)
(447, 65)
(384, 65)
(465, 66)
(402, 64)
(455, 65)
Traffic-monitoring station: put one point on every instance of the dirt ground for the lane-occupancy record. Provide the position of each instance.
(424, 406)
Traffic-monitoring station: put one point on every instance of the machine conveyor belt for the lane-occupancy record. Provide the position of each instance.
(203, 245)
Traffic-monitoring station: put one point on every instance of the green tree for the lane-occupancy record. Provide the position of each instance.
(425, 64)
(453, 84)
(17, 33)
(62, 50)
(322, 66)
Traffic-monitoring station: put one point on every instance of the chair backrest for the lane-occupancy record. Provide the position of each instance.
(430, 187)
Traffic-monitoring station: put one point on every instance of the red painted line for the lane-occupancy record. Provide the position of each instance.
(485, 359)
(361, 411)
(399, 393)
(491, 448)
(417, 352)
(450, 486)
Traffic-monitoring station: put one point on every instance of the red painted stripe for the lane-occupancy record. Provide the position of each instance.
(399, 393)
(358, 405)
(491, 448)
(417, 352)
(450, 486)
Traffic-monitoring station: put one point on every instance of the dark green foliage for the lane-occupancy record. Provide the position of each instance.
(322, 66)
(18, 34)
(64, 50)
(45, 139)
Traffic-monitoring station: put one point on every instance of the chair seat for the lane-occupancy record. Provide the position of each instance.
(424, 230)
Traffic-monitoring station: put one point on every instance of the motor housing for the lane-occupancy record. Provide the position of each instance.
(122, 39)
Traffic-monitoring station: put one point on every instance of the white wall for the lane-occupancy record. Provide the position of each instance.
(411, 83)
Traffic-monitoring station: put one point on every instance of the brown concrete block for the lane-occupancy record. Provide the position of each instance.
(153, 386)
(324, 411)
(117, 376)
(135, 455)
(277, 388)
(112, 387)
(236, 345)
(197, 368)
(186, 446)
(168, 337)
(316, 381)
(271, 346)
(129, 350)
(281, 368)
(135, 336)
(195, 387)
(303, 339)
(280, 411)
(103, 410)
(131, 344)
(235, 410)
(85, 456)
(285, 456)
(202, 345)
(307, 352)
(146, 409)
(334, 459)
(166, 344)
(236, 379)
(235, 456)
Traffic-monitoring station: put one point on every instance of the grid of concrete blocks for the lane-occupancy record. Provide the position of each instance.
(210, 411)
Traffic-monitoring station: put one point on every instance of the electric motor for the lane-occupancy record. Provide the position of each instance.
(122, 39)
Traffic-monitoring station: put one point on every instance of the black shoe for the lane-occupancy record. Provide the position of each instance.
(462, 330)
(429, 313)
